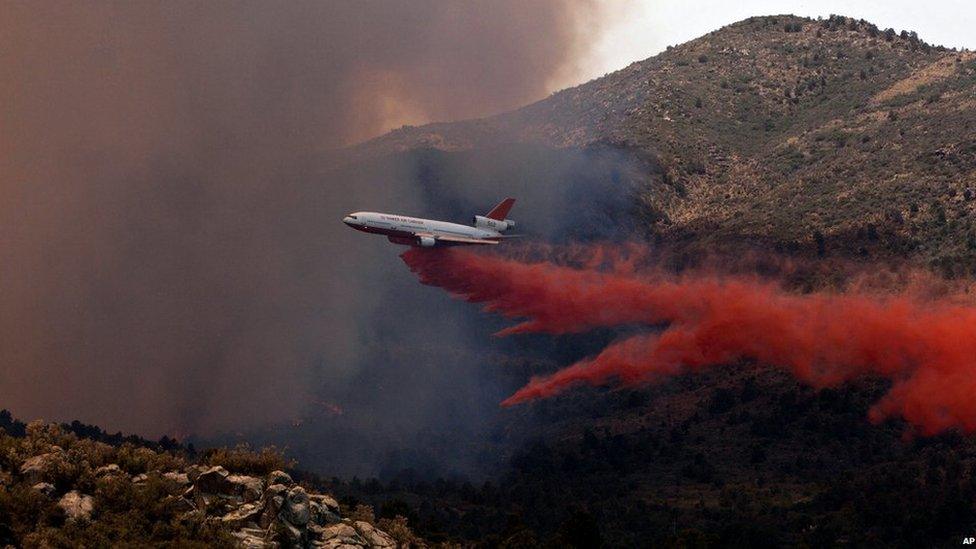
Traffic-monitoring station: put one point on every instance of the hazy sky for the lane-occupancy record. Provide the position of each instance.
(645, 27)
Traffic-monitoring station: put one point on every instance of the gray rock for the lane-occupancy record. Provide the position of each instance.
(201, 500)
(280, 477)
(38, 468)
(337, 536)
(175, 482)
(140, 478)
(277, 490)
(45, 488)
(193, 471)
(296, 507)
(180, 479)
(274, 499)
(321, 515)
(326, 500)
(214, 481)
(106, 470)
(183, 505)
(253, 538)
(76, 505)
(376, 538)
(249, 488)
(245, 515)
(292, 535)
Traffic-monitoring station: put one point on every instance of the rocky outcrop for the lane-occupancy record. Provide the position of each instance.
(274, 511)
(250, 489)
(347, 535)
(177, 478)
(213, 481)
(206, 504)
(374, 536)
(268, 512)
(82, 492)
(279, 477)
(45, 488)
(109, 470)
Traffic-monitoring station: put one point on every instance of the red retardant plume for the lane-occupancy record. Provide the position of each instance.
(927, 348)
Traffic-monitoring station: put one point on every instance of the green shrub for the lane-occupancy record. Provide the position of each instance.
(242, 459)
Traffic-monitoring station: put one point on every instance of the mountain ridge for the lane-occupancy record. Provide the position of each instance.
(765, 127)
(818, 137)
(828, 139)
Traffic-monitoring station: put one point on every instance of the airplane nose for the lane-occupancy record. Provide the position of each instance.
(348, 220)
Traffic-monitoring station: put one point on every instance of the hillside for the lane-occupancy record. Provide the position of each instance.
(822, 140)
(63, 486)
(831, 142)
(813, 135)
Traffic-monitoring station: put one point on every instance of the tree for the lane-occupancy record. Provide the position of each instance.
(581, 530)
(821, 242)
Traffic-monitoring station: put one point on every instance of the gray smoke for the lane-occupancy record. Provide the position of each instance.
(425, 394)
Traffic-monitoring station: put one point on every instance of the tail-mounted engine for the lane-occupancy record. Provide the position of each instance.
(490, 224)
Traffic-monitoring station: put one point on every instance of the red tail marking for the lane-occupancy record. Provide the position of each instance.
(500, 211)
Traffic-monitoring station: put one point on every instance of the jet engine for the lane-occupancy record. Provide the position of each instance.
(426, 241)
(402, 240)
(490, 224)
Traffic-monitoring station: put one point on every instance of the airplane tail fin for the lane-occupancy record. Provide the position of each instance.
(500, 211)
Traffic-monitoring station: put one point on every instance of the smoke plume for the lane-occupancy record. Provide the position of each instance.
(170, 247)
(926, 347)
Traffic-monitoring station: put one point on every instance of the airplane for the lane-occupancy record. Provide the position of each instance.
(426, 233)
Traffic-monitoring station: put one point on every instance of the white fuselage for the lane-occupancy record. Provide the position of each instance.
(403, 229)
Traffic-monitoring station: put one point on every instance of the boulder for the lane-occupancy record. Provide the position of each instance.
(253, 538)
(326, 501)
(296, 508)
(277, 490)
(274, 499)
(291, 535)
(40, 468)
(76, 505)
(193, 471)
(279, 477)
(213, 504)
(337, 536)
(45, 488)
(376, 538)
(175, 482)
(245, 515)
(214, 481)
(181, 479)
(321, 514)
(140, 478)
(108, 470)
(249, 488)
(200, 500)
(182, 504)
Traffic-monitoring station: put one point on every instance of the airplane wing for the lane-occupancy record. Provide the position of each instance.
(456, 240)
(463, 240)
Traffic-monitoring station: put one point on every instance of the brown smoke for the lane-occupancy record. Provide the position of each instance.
(168, 241)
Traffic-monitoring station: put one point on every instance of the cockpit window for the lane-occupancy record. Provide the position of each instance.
(354, 217)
